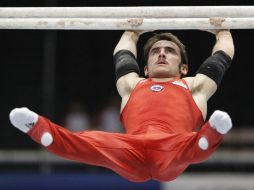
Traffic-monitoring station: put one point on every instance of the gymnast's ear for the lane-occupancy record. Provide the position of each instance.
(184, 69)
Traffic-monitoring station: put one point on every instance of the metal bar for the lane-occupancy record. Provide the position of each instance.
(124, 24)
(128, 12)
(41, 156)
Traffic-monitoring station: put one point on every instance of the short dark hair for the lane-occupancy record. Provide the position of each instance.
(169, 37)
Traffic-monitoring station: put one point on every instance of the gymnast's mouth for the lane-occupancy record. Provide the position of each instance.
(161, 62)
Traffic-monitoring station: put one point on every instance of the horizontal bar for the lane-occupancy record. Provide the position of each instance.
(42, 156)
(123, 12)
(124, 24)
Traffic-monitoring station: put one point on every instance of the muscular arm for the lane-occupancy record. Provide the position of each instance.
(202, 86)
(224, 42)
(128, 41)
(127, 82)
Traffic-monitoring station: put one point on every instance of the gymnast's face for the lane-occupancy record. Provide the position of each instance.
(164, 60)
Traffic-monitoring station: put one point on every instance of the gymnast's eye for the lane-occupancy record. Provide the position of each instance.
(155, 50)
(170, 50)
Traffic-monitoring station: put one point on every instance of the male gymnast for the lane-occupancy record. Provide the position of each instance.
(163, 114)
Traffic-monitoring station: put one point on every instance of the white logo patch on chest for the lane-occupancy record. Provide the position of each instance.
(180, 83)
(156, 88)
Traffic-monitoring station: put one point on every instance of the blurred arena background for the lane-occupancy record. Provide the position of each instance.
(68, 76)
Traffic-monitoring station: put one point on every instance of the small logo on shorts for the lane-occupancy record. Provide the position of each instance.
(156, 88)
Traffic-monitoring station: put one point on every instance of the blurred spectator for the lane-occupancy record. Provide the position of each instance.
(109, 118)
(77, 118)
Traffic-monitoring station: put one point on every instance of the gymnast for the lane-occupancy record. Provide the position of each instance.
(163, 114)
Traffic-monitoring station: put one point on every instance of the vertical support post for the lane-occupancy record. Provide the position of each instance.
(49, 78)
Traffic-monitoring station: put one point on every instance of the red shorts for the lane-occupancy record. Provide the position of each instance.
(153, 155)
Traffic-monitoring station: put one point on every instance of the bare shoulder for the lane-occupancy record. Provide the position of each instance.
(201, 84)
(189, 81)
(127, 83)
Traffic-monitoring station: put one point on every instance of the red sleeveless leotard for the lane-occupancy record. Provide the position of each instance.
(166, 106)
